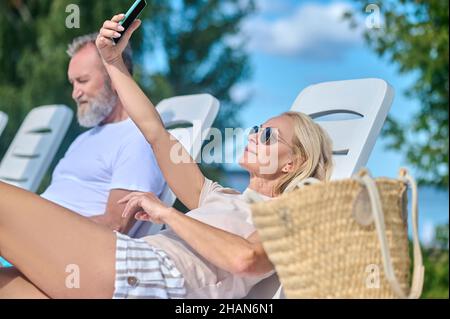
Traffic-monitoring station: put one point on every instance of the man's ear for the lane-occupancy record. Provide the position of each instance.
(111, 83)
(113, 87)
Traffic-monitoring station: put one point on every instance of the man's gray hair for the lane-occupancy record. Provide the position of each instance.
(81, 41)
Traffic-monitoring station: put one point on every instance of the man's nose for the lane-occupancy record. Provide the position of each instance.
(76, 93)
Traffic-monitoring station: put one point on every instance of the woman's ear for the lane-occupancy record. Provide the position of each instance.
(294, 163)
(288, 167)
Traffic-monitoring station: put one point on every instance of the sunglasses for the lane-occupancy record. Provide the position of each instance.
(267, 135)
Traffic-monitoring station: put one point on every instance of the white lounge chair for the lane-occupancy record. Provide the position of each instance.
(179, 114)
(3, 121)
(34, 146)
(367, 102)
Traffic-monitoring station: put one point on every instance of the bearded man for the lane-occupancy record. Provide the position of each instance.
(112, 158)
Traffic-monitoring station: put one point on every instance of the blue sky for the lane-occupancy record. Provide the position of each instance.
(293, 44)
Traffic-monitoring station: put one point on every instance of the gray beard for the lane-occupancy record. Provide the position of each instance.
(98, 109)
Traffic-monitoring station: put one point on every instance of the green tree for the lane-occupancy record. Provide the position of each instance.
(33, 59)
(414, 36)
(435, 259)
(192, 33)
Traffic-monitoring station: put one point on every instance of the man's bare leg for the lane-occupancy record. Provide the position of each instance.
(48, 243)
(13, 285)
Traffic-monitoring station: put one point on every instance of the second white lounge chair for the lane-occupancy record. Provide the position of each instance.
(189, 119)
(3, 121)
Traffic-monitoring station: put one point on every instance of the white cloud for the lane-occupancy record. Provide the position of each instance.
(311, 30)
(242, 92)
(427, 233)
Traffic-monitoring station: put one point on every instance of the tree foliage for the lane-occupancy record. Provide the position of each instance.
(190, 35)
(33, 59)
(414, 36)
(435, 259)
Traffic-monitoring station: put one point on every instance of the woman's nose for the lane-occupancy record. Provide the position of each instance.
(253, 138)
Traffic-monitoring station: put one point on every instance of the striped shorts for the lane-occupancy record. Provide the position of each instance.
(145, 272)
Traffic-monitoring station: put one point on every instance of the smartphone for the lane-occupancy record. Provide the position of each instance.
(131, 15)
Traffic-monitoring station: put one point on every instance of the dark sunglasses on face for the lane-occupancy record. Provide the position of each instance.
(267, 135)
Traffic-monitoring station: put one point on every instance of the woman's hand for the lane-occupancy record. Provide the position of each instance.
(146, 207)
(110, 51)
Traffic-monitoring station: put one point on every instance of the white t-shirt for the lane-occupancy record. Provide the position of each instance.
(112, 156)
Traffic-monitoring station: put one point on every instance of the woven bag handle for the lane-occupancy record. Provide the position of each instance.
(377, 210)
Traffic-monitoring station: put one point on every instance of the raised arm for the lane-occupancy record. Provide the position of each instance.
(185, 179)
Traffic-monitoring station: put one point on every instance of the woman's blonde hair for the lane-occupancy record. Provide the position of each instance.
(313, 152)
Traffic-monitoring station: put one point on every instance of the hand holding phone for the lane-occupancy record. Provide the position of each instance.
(130, 16)
(109, 50)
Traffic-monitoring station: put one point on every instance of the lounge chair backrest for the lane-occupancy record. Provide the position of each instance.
(367, 102)
(3, 121)
(189, 119)
(34, 146)
(353, 113)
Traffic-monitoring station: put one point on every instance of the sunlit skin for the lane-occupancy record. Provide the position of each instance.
(88, 77)
(86, 74)
(256, 156)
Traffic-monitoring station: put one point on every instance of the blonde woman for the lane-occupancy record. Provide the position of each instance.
(212, 252)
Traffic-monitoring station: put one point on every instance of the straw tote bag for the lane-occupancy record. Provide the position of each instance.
(343, 239)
